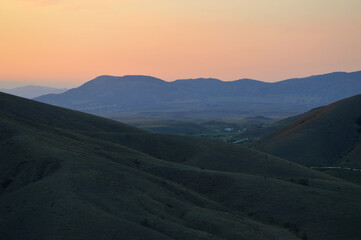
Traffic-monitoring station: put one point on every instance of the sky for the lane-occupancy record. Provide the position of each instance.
(65, 43)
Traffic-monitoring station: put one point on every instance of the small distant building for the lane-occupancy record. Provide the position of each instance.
(228, 129)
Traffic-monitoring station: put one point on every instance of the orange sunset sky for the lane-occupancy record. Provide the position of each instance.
(67, 42)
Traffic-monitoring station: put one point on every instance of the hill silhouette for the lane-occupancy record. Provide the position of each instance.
(327, 136)
(144, 96)
(66, 174)
(31, 91)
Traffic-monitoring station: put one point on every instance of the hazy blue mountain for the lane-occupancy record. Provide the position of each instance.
(32, 91)
(108, 95)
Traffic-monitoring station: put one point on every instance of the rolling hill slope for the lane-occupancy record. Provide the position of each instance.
(70, 175)
(327, 136)
(149, 97)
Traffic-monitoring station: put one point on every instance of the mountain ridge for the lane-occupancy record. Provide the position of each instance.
(111, 95)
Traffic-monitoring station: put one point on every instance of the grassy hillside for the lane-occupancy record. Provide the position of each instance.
(69, 175)
(327, 136)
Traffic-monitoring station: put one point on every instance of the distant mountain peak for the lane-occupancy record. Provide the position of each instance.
(249, 80)
(200, 80)
(109, 79)
(126, 77)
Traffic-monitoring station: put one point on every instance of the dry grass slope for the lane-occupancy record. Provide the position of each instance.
(69, 175)
(328, 136)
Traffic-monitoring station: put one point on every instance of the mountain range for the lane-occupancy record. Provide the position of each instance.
(70, 175)
(144, 96)
(31, 91)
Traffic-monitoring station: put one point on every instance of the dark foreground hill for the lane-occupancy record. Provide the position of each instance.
(69, 175)
(149, 97)
(324, 137)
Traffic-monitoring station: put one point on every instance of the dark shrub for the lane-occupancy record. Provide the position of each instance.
(291, 226)
(303, 181)
(358, 121)
(6, 183)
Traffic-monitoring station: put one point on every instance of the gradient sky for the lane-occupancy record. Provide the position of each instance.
(67, 42)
